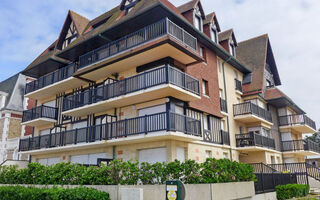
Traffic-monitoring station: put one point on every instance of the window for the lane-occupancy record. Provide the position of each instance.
(197, 22)
(221, 93)
(129, 5)
(214, 33)
(223, 125)
(232, 48)
(203, 53)
(269, 84)
(206, 122)
(197, 18)
(208, 154)
(205, 88)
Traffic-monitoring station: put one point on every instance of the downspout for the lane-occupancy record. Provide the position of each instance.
(225, 94)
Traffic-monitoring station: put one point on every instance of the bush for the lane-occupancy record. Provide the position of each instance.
(292, 190)
(129, 173)
(17, 192)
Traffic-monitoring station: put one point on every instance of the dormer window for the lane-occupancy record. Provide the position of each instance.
(198, 19)
(214, 33)
(129, 5)
(232, 48)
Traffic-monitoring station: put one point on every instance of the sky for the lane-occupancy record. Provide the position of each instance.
(29, 27)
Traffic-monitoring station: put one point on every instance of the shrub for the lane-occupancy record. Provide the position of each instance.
(17, 192)
(292, 190)
(129, 173)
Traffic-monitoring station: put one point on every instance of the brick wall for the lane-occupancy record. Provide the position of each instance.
(208, 72)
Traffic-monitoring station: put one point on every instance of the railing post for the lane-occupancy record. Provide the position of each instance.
(185, 125)
(145, 124)
(29, 143)
(125, 128)
(76, 136)
(168, 120)
(222, 139)
(167, 73)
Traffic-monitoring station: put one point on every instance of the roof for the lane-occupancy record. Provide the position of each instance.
(188, 6)
(225, 35)
(115, 17)
(79, 21)
(253, 53)
(210, 18)
(274, 94)
(14, 88)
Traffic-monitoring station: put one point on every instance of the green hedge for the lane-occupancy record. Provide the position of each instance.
(17, 192)
(129, 173)
(292, 190)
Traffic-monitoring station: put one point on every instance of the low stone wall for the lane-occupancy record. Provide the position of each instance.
(221, 191)
(20, 163)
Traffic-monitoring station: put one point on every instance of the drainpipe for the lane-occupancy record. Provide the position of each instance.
(225, 94)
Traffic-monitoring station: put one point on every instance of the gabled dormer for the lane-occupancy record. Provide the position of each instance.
(228, 41)
(73, 27)
(193, 12)
(211, 27)
(127, 5)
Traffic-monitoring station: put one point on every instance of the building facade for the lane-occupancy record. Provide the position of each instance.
(152, 82)
(11, 109)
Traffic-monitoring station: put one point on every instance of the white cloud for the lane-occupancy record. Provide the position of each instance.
(292, 25)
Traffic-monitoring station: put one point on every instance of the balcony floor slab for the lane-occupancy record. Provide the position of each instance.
(250, 118)
(39, 122)
(255, 149)
(301, 128)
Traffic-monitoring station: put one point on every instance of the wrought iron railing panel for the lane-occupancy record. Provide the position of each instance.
(238, 85)
(40, 112)
(139, 37)
(223, 105)
(140, 125)
(158, 76)
(300, 145)
(51, 78)
(253, 139)
(250, 108)
(296, 120)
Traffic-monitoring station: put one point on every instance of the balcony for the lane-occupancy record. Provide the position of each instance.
(42, 115)
(303, 147)
(53, 83)
(251, 113)
(150, 127)
(300, 123)
(154, 84)
(238, 85)
(223, 105)
(219, 137)
(151, 43)
(247, 140)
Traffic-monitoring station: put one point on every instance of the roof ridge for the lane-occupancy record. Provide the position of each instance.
(256, 37)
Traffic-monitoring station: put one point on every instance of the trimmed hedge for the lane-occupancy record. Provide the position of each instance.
(129, 173)
(292, 190)
(17, 192)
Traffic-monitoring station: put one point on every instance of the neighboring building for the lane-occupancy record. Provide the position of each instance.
(11, 108)
(152, 82)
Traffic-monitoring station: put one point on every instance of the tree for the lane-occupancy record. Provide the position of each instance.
(315, 137)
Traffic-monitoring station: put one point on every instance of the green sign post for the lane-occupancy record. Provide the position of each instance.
(175, 190)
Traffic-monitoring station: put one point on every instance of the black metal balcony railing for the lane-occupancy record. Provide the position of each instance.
(158, 76)
(51, 78)
(296, 120)
(139, 37)
(238, 85)
(253, 139)
(217, 137)
(300, 145)
(223, 105)
(40, 112)
(250, 108)
(140, 125)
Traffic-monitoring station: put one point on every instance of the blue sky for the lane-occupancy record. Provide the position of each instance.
(28, 27)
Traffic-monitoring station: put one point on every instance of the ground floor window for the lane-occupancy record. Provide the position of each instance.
(88, 159)
(153, 155)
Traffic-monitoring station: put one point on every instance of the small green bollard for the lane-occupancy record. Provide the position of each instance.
(175, 190)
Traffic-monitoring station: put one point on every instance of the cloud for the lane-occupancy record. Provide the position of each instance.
(293, 28)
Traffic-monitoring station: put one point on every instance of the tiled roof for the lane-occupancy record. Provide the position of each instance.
(210, 18)
(225, 35)
(14, 87)
(188, 6)
(253, 53)
(79, 21)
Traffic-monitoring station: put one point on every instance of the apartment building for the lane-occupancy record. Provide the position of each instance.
(152, 82)
(11, 108)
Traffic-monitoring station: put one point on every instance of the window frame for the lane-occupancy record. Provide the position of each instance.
(205, 88)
